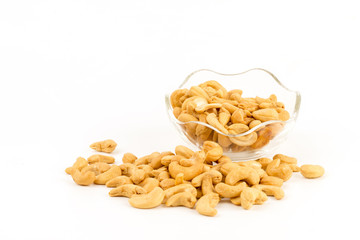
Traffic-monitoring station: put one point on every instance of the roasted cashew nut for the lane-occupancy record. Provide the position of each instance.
(207, 185)
(228, 191)
(271, 190)
(150, 200)
(100, 158)
(212, 150)
(189, 172)
(249, 197)
(113, 172)
(207, 203)
(156, 161)
(104, 146)
(184, 151)
(215, 175)
(176, 96)
(83, 178)
(149, 184)
(126, 190)
(129, 158)
(179, 188)
(79, 164)
(97, 168)
(118, 181)
(185, 199)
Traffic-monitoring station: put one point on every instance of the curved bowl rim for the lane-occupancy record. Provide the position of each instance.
(293, 116)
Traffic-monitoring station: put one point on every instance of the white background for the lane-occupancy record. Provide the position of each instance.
(75, 72)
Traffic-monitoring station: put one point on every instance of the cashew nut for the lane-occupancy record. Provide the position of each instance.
(184, 151)
(271, 180)
(207, 185)
(229, 191)
(97, 168)
(276, 169)
(249, 197)
(238, 116)
(224, 116)
(264, 162)
(185, 199)
(266, 114)
(179, 179)
(236, 174)
(207, 203)
(176, 96)
(189, 172)
(167, 183)
(100, 158)
(203, 108)
(127, 169)
(83, 178)
(163, 175)
(271, 190)
(150, 200)
(138, 176)
(212, 150)
(213, 121)
(129, 158)
(198, 91)
(156, 161)
(312, 171)
(104, 146)
(113, 172)
(179, 188)
(149, 184)
(79, 164)
(146, 159)
(286, 159)
(215, 175)
(118, 181)
(127, 190)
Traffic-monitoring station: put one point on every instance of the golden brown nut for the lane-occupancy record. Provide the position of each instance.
(104, 146)
(312, 171)
(101, 158)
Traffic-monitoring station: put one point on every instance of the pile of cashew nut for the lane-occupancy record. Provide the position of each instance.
(186, 178)
(228, 112)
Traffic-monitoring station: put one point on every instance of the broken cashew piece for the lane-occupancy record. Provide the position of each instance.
(100, 158)
(104, 146)
(312, 171)
(126, 190)
(150, 200)
(129, 158)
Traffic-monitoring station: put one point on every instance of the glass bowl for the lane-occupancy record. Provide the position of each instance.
(253, 82)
